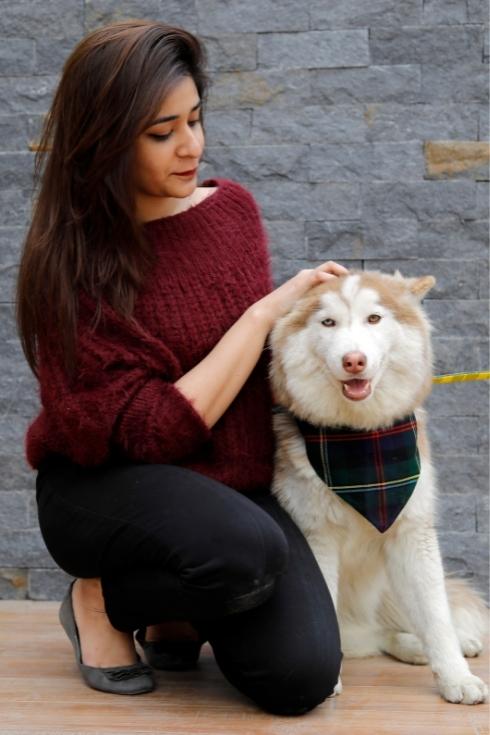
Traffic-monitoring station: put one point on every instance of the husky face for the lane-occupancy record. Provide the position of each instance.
(354, 351)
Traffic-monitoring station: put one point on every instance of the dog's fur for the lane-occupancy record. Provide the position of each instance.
(388, 588)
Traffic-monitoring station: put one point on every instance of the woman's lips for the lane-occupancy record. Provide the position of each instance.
(187, 174)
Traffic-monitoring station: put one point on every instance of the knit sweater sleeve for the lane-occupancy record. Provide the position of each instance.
(121, 398)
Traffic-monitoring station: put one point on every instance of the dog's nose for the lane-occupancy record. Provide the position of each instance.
(354, 362)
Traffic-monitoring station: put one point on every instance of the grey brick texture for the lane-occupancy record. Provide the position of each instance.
(329, 113)
(313, 50)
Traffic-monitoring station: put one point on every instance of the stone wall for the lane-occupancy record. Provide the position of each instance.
(360, 128)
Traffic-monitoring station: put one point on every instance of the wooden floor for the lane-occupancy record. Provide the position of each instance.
(41, 693)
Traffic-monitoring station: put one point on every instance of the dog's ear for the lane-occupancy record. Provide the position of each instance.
(420, 286)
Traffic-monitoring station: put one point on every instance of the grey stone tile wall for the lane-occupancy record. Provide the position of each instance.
(326, 112)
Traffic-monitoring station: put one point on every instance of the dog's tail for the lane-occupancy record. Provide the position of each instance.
(469, 613)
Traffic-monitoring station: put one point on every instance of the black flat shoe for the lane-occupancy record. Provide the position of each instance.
(170, 655)
(132, 679)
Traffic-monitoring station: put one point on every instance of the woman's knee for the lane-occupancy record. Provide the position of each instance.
(242, 562)
(296, 687)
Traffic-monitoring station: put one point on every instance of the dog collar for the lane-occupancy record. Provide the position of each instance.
(374, 471)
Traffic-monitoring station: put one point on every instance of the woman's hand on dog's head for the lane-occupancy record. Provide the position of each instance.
(279, 302)
(328, 270)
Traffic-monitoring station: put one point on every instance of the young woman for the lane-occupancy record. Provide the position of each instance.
(144, 305)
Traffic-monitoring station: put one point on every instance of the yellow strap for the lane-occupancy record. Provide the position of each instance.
(461, 377)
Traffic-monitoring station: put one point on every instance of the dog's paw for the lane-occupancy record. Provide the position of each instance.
(337, 688)
(467, 689)
(470, 647)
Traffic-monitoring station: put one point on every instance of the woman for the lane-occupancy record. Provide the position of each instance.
(144, 305)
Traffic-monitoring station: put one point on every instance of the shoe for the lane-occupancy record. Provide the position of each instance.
(132, 679)
(169, 655)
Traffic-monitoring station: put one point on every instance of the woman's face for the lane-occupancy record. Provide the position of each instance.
(167, 153)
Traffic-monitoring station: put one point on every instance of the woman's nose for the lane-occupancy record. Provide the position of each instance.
(192, 142)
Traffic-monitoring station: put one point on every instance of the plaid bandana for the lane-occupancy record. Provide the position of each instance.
(374, 471)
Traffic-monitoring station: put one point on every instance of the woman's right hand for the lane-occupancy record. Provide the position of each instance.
(279, 302)
(213, 383)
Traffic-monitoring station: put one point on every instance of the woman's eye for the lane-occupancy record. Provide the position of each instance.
(374, 318)
(158, 136)
(329, 322)
(166, 136)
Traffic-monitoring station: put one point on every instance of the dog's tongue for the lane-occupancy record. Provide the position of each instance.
(356, 389)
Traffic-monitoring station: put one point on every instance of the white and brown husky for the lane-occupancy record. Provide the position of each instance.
(351, 366)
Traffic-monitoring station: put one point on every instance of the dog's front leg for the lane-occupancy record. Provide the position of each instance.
(326, 552)
(416, 575)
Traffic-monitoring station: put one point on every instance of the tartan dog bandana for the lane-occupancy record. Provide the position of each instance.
(374, 471)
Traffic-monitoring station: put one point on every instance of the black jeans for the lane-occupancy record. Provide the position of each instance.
(171, 544)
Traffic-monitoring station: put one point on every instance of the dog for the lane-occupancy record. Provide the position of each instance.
(350, 368)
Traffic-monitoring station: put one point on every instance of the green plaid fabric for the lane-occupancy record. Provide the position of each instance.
(374, 471)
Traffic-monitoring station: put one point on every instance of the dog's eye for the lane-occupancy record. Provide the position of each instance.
(374, 318)
(328, 322)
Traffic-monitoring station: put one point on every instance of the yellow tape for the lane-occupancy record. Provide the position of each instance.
(461, 377)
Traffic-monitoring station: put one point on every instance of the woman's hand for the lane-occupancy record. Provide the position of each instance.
(280, 301)
(213, 383)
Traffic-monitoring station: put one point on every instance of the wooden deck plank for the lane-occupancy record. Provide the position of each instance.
(41, 693)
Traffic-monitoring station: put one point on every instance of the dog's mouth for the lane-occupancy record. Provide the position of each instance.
(356, 389)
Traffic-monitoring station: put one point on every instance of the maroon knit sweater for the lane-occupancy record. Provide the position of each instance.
(212, 263)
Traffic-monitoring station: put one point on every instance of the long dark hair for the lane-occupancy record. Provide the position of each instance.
(84, 233)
